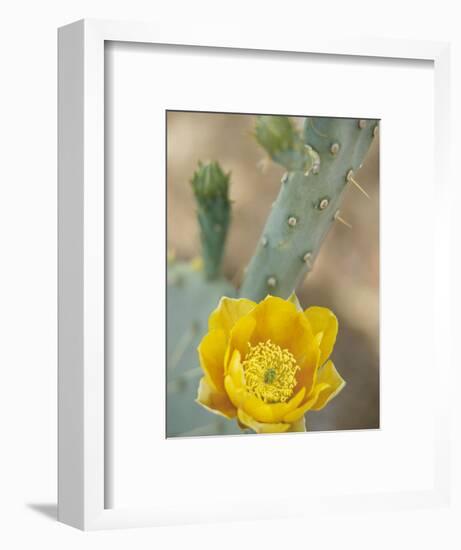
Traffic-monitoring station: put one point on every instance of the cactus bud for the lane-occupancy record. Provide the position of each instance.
(210, 182)
(282, 142)
(211, 190)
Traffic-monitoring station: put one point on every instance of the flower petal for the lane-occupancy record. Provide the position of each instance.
(259, 427)
(324, 327)
(279, 321)
(236, 370)
(228, 312)
(307, 374)
(270, 412)
(294, 300)
(334, 384)
(274, 321)
(239, 338)
(212, 350)
(213, 401)
(236, 393)
(301, 411)
(301, 342)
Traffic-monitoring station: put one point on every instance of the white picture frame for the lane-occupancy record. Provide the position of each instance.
(83, 471)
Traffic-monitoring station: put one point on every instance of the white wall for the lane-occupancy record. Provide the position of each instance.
(28, 266)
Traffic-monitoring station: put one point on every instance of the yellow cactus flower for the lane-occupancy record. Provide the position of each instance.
(267, 364)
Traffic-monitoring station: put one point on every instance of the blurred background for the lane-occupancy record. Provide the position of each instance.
(345, 276)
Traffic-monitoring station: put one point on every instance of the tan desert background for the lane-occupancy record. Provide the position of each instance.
(345, 276)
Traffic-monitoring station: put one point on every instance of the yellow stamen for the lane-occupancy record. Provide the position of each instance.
(270, 372)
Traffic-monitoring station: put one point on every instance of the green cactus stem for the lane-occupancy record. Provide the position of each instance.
(190, 300)
(193, 292)
(211, 189)
(309, 198)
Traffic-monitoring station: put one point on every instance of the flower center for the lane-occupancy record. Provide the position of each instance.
(270, 372)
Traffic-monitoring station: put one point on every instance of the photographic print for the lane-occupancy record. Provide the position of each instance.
(272, 274)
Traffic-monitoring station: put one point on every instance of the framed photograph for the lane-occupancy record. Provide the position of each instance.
(262, 328)
(252, 275)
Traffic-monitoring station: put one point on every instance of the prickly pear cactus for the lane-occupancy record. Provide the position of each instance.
(320, 165)
(193, 291)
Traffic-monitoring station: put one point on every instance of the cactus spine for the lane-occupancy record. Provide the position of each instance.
(319, 167)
